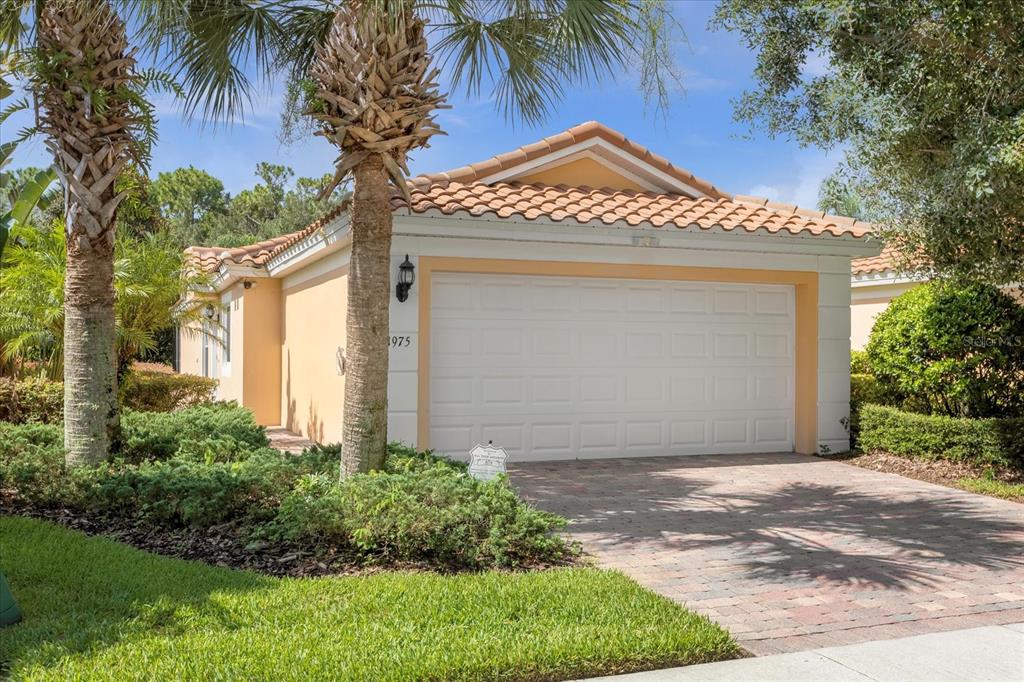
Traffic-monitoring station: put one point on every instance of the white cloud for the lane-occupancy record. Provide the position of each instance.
(809, 168)
(770, 192)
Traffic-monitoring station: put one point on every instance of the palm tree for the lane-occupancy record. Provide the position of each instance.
(373, 92)
(75, 57)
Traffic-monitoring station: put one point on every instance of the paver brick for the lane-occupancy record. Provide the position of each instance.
(791, 552)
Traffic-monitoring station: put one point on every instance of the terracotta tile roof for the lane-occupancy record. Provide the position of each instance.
(461, 191)
(210, 258)
(580, 133)
(883, 262)
(632, 208)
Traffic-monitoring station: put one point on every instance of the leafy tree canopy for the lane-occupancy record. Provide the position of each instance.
(928, 96)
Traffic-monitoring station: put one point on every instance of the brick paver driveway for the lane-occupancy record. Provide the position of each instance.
(791, 552)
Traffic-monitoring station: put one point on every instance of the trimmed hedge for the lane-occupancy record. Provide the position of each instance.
(150, 391)
(908, 434)
(31, 401)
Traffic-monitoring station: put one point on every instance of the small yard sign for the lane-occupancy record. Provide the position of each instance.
(486, 461)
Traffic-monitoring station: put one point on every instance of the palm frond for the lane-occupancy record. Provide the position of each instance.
(207, 45)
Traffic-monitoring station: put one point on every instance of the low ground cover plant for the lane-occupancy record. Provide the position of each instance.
(210, 467)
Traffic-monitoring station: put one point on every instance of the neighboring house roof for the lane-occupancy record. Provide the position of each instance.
(883, 262)
(210, 258)
(490, 188)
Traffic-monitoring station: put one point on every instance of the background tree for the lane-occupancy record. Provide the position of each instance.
(928, 95)
(186, 198)
(364, 73)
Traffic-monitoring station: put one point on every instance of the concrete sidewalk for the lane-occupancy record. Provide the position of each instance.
(993, 653)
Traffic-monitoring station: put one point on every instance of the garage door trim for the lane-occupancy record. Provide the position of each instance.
(805, 285)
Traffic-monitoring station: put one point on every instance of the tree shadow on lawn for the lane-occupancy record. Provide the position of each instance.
(794, 530)
(79, 594)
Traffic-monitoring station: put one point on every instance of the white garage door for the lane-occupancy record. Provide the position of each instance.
(557, 367)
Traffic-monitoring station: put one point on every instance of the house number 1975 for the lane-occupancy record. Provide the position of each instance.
(401, 341)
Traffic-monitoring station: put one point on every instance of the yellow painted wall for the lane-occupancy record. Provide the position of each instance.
(312, 393)
(260, 350)
(862, 319)
(579, 173)
(190, 350)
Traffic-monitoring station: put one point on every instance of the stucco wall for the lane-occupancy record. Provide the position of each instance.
(313, 310)
(580, 173)
(868, 301)
(260, 325)
(190, 350)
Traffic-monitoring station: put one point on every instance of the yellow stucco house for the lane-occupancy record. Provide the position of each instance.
(874, 282)
(578, 297)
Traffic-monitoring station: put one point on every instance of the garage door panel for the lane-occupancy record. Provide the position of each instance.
(551, 367)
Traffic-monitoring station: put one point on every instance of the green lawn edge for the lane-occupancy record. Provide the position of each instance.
(97, 609)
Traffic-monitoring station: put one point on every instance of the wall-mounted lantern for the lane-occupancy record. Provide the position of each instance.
(406, 277)
(209, 311)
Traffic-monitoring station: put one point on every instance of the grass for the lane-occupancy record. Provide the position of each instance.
(995, 488)
(97, 609)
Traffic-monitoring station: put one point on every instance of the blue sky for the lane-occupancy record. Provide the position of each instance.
(699, 133)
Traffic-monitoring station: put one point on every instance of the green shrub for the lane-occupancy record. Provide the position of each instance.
(864, 389)
(983, 441)
(859, 363)
(34, 400)
(32, 462)
(187, 493)
(218, 431)
(954, 350)
(434, 514)
(421, 508)
(149, 391)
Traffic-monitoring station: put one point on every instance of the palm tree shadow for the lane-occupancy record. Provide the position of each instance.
(799, 531)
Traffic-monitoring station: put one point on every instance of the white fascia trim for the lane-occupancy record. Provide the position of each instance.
(329, 238)
(886, 277)
(229, 274)
(548, 231)
(608, 152)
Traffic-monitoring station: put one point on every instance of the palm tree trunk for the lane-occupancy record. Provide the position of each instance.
(365, 428)
(87, 113)
(90, 389)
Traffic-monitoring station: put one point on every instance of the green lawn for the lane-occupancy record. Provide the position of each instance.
(97, 609)
(986, 486)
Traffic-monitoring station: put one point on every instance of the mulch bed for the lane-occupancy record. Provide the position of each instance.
(219, 546)
(938, 471)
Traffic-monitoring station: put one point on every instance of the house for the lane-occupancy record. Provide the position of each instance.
(578, 297)
(874, 282)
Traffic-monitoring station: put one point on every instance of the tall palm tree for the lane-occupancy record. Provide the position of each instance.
(373, 93)
(76, 59)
